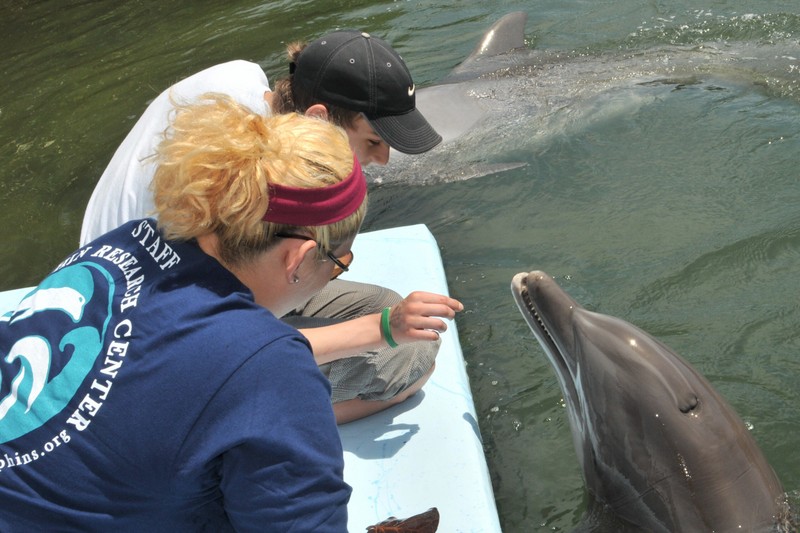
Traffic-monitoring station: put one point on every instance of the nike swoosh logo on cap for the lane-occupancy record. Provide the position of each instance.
(412, 89)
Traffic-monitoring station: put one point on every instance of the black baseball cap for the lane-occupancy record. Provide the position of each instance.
(353, 70)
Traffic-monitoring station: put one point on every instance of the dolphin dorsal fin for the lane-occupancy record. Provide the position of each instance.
(506, 34)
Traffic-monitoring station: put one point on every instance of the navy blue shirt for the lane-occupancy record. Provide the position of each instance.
(144, 390)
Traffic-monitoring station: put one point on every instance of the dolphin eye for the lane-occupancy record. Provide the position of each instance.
(689, 405)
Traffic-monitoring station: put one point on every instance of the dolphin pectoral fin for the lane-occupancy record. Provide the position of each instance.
(446, 175)
(477, 170)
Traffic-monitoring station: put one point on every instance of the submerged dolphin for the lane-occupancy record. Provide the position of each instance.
(658, 446)
(507, 100)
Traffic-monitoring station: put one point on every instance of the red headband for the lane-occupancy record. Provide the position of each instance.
(317, 206)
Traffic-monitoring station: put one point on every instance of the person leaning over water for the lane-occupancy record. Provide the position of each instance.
(147, 384)
(360, 83)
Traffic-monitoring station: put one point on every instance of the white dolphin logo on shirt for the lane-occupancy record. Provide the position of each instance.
(64, 299)
(34, 393)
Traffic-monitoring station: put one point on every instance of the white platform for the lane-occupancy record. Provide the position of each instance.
(427, 453)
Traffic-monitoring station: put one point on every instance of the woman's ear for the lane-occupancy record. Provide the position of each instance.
(294, 257)
(317, 111)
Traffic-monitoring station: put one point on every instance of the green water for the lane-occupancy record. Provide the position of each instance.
(670, 204)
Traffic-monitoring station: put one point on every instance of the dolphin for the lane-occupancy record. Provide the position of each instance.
(659, 448)
(451, 111)
(506, 100)
(65, 299)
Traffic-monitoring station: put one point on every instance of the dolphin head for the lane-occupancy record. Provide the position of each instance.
(657, 444)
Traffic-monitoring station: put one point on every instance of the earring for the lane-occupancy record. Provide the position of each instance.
(295, 279)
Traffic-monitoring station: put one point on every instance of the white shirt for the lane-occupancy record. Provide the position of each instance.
(123, 191)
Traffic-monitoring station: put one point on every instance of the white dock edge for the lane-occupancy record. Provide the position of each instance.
(427, 453)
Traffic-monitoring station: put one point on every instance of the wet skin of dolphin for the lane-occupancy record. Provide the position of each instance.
(506, 95)
(658, 446)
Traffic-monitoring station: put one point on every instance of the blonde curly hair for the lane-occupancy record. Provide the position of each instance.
(216, 161)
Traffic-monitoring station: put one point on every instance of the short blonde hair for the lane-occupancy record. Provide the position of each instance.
(216, 161)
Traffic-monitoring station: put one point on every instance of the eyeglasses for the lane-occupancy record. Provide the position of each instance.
(341, 264)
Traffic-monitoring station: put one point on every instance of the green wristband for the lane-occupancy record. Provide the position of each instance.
(386, 327)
